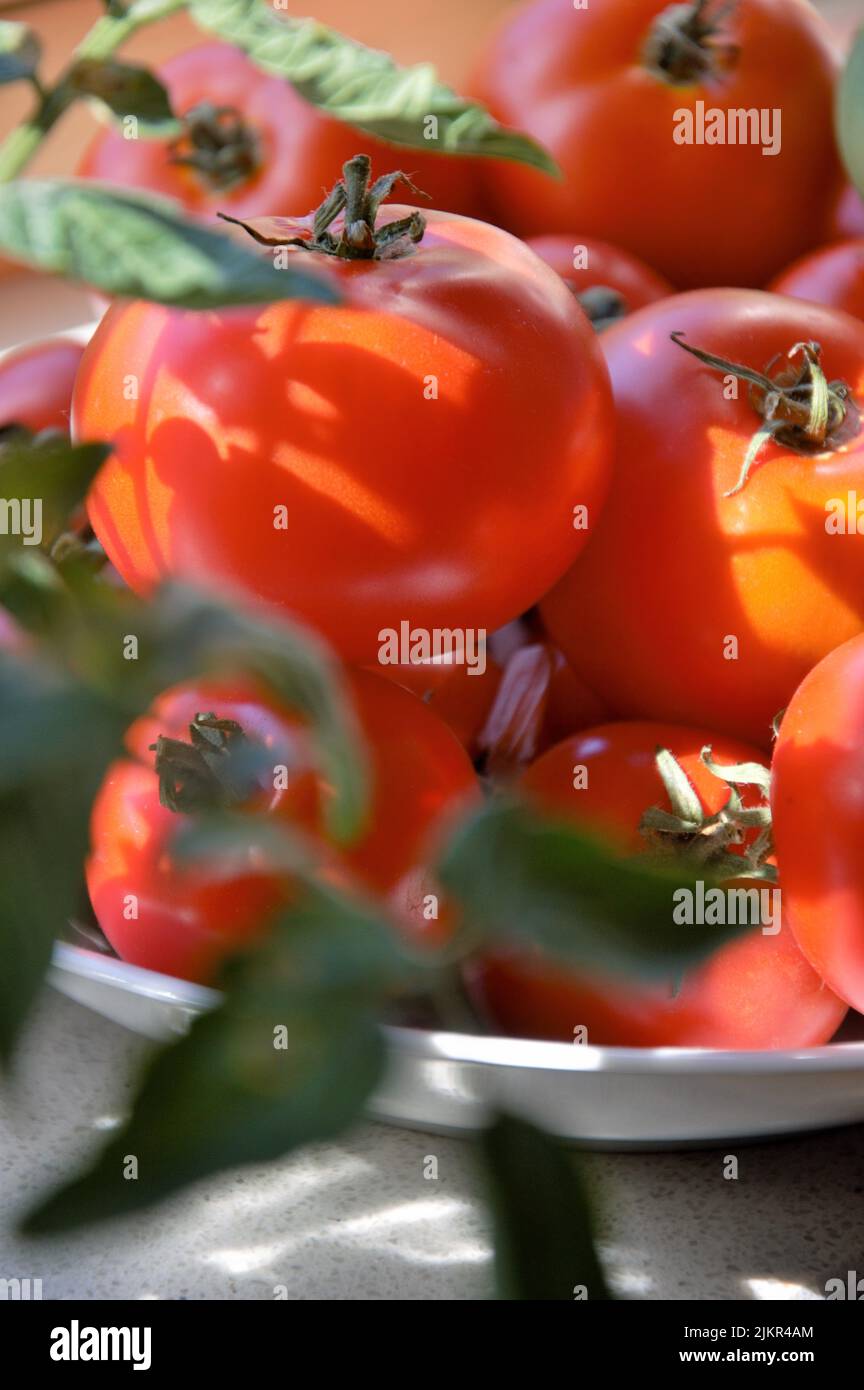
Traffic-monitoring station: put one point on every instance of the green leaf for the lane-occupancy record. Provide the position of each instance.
(140, 246)
(126, 90)
(546, 884)
(850, 114)
(42, 480)
(226, 1094)
(57, 738)
(543, 1244)
(363, 87)
(20, 51)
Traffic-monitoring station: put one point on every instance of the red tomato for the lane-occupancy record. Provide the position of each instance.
(586, 264)
(612, 104)
(817, 776)
(756, 992)
(294, 148)
(833, 276)
(846, 215)
(691, 604)
(36, 384)
(189, 918)
(425, 443)
(458, 695)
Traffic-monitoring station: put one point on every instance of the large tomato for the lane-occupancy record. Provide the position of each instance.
(184, 920)
(690, 603)
(833, 276)
(270, 151)
(758, 991)
(608, 88)
(590, 267)
(817, 776)
(433, 451)
(36, 384)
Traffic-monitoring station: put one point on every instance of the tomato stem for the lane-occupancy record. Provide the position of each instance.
(798, 406)
(687, 832)
(682, 45)
(212, 771)
(602, 305)
(218, 144)
(357, 201)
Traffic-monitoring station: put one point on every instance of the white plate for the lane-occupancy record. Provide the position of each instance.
(605, 1097)
(608, 1097)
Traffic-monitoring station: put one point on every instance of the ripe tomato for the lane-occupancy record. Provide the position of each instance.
(589, 267)
(689, 603)
(415, 454)
(36, 384)
(817, 776)
(833, 276)
(756, 992)
(610, 90)
(458, 695)
(274, 152)
(189, 918)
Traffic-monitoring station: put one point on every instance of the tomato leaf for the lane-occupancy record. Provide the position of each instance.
(20, 51)
(850, 113)
(363, 87)
(42, 480)
(538, 882)
(137, 245)
(127, 90)
(543, 1244)
(290, 1057)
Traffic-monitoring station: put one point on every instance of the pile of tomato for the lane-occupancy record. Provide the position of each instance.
(610, 421)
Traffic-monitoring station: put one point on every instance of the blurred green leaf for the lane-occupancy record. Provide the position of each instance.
(127, 90)
(43, 478)
(56, 738)
(364, 87)
(226, 1094)
(850, 113)
(536, 882)
(543, 1243)
(20, 51)
(138, 245)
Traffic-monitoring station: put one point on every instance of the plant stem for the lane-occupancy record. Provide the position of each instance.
(103, 39)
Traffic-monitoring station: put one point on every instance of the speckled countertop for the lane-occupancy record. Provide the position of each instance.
(358, 1219)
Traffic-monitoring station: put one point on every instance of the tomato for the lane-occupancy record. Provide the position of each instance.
(414, 455)
(817, 774)
(280, 159)
(689, 603)
(628, 115)
(458, 694)
(833, 276)
(189, 918)
(757, 991)
(608, 282)
(846, 215)
(36, 384)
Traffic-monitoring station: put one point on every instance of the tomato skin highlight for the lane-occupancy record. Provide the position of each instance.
(399, 506)
(757, 991)
(303, 151)
(846, 215)
(36, 383)
(189, 918)
(833, 275)
(718, 214)
(817, 776)
(607, 265)
(675, 568)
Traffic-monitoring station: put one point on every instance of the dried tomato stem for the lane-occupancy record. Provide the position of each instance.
(218, 144)
(212, 771)
(682, 45)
